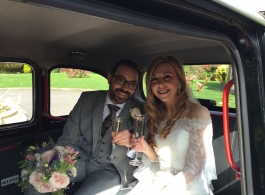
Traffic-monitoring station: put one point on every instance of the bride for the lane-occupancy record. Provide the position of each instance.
(178, 155)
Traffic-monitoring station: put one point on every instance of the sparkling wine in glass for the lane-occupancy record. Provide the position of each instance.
(138, 132)
(116, 126)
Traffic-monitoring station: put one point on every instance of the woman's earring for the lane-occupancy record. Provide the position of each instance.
(179, 88)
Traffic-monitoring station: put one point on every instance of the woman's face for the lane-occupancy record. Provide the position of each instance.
(164, 83)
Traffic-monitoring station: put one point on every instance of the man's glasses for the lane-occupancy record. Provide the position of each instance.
(122, 81)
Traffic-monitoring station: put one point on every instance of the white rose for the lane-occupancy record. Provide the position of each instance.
(37, 156)
(61, 150)
(47, 156)
(38, 164)
(74, 171)
(135, 112)
(24, 172)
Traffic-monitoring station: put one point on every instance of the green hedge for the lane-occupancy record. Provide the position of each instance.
(11, 68)
(26, 68)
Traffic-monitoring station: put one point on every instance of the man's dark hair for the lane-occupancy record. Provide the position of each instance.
(126, 62)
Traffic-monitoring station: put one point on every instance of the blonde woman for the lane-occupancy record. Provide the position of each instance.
(178, 155)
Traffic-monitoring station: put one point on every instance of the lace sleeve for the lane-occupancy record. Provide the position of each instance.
(196, 158)
(200, 159)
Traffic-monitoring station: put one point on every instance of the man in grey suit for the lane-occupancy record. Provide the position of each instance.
(85, 121)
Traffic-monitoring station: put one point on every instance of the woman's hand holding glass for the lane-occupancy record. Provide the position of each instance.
(139, 145)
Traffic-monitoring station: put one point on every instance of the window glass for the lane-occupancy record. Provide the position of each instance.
(67, 84)
(208, 81)
(15, 92)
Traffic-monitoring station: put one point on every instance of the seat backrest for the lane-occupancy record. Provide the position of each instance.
(207, 103)
(226, 182)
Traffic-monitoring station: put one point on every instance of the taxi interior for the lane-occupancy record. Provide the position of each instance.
(93, 35)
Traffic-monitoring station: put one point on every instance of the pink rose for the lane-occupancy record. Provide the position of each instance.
(35, 178)
(75, 154)
(62, 151)
(69, 160)
(45, 187)
(71, 150)
(47, 156)
(30, 157)
(59, 180)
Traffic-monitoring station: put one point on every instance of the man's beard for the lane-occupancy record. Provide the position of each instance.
(115, 98)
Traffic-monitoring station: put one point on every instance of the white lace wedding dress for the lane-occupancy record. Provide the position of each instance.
(185, 164)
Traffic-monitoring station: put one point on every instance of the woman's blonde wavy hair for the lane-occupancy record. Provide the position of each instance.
(154, 106)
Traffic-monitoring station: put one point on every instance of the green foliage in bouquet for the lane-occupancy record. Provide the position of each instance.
(48, 168)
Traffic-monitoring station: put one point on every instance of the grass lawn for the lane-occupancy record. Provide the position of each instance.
(212, 89)
(58, 80)
(94, 81)
(15, 80)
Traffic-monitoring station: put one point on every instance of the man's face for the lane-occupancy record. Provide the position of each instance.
(119, 94)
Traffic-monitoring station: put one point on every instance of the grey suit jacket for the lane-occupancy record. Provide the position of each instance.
(86, 120)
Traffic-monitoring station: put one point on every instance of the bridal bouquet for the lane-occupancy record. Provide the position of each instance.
(48, 168)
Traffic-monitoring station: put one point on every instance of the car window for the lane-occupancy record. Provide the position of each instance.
(67, 84)
(15, 92)
(208, 81)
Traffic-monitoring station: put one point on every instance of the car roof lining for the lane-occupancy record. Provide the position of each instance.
(47, 36)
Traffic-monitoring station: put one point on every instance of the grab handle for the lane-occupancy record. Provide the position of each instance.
(9, 147)
(226, 129)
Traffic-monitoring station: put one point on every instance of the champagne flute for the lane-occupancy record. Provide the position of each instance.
(138, 132)
(116, 126)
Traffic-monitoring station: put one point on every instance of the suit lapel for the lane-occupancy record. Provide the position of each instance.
(97, 117)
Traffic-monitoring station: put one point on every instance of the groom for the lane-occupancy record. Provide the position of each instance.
(86, 121)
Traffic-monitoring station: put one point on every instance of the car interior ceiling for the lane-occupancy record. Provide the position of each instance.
(50, 37)
(47, 36)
